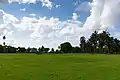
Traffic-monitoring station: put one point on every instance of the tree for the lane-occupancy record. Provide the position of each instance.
(76, 50)
(66, 47)
(58, 51)
(93, 40)
(46, 50)
(21, 49)
(39, 50)
(28, 50)
(89, 47)
(1, 49)
(42, 49)
(52, 50)
(10, 49)
(105, 42)
(116, 45)
(34, 50)
(82, 43)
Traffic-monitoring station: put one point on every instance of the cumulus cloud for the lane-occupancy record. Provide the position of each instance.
(39, 31)
(51, 31)
(22, 1)
(85, 6)
(75, 16)
(46, 3)
(103, 15)
(19, 1)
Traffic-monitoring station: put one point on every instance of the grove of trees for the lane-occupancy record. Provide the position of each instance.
(97, 43)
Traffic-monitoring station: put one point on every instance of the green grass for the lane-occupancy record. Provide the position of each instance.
(59, 67)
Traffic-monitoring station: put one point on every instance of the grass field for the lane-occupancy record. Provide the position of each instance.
(59, 67)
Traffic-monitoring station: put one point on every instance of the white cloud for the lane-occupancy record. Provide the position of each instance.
(116, 34)
(51, 32)
(33, 15)
(58, 6)
(31, 31)
(23, 9)
(76, 2)
(103, 15)
(19, 1)
(22, 1)
(46, 3)
(85, 6)
(75, 16)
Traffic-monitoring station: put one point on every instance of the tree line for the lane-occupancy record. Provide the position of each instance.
(97, 43)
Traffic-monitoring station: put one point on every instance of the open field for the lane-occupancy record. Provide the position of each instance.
(59, 67)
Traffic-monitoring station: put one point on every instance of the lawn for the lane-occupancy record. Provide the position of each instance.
(59, 67)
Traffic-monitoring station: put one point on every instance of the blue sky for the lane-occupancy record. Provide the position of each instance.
(64, 12)
(50, 22)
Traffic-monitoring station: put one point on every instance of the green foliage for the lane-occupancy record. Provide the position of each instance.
(100, 43)
(52, 50)
(46, 50)
(28, 50)
(66, 47)
(76, 50)
(21, 50)
(82, 43)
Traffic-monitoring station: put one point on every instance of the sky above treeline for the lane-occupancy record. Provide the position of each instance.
(50, 22)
